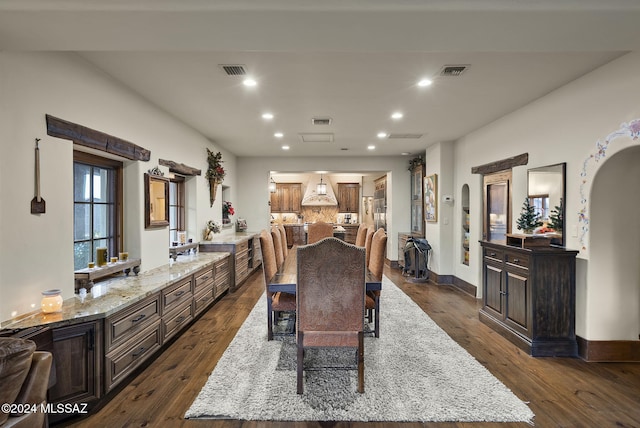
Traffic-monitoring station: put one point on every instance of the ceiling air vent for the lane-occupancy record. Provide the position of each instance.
(316, 137)
(234, 69)
(321, 120)
(405, 136)
(453, 70)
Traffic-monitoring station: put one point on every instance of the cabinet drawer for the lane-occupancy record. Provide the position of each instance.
(123, 360)
(120, 326)
(242, 246)
(203, 278)
(519, 260)
(203, 298)
(174, 294)
(173, 322)
(494, 254)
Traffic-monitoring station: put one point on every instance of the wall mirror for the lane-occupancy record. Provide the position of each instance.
(156, 201)
(546, 192)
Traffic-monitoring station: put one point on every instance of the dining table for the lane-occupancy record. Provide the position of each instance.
(286, 277)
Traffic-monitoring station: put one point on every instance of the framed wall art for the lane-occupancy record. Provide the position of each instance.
(431, 198)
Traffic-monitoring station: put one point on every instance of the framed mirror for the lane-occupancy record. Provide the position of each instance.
(156, 201)
(546, 192)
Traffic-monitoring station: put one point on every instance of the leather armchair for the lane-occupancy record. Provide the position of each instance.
(24, 379)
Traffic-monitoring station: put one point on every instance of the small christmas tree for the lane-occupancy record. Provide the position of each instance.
(555, 218)
(528, 220)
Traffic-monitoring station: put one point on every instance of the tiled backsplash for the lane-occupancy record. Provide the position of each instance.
(314, 214)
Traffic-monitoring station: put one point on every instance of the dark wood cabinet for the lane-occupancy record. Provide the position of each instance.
(287, 198)
(348, 197)
(529, 297)
(77, 354)
(295, 234)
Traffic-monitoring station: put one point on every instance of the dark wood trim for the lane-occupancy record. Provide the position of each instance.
(97, 140)
(179, 168)
(501, 165)
(609, 350)
(463, 285)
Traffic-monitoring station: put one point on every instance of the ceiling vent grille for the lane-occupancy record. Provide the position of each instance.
(316, 137)
(404, 136)
(321, 120)
(453, 70)
(234, 69)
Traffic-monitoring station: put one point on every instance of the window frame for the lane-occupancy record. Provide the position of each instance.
(118, 169)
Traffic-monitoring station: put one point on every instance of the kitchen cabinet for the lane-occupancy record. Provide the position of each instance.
(287, 198)
(529, 297)
(351, 231)
(348, 197)
(242, 246)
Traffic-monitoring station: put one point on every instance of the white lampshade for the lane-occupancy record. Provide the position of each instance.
(321, 188)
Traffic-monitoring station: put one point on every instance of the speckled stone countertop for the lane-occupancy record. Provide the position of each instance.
(230, 238)
(113, 294)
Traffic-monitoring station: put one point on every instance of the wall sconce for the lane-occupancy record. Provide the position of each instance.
(51, 301)
(272, 186)
(321, 188)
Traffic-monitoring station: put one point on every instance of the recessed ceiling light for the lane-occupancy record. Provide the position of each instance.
(425, 82)
(278, 135)
(382, 135)
(396, 115)
(405, 153)
(371, 147)
(267, 116)
(249, 82)
(285, 147)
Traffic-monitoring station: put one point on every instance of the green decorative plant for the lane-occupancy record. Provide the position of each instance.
(528, 219)
(556, 220)
(215, 173)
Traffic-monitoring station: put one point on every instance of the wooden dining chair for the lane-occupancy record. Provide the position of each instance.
(283, 237)
(376, 267)
(276, 302)
(318, 231)
(367, 242)
(330, 297)
(361, 235)
(277, 246)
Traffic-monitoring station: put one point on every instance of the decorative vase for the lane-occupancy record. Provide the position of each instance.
(213, 187)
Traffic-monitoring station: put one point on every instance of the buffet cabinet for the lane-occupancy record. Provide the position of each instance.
(529, 297)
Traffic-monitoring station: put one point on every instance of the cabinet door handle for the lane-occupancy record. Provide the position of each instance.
(504, 293)
(179, 293)
(179, 320)
(492, 254)
(138, 352)
(139, 318)
(516, 260)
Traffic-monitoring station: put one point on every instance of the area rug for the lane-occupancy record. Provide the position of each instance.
(413, 372)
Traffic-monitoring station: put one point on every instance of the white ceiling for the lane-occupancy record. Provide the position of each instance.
(355, 61)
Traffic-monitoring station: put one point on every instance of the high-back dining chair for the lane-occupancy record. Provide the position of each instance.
(367, 242)
(276, 302)
(330, 297)
(318, 231)
(376, 266)
(361, 235)
(283, 238)
(277, 245)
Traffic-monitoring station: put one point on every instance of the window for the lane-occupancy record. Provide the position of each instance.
(176, 207)
(97, 202)
(541, 205)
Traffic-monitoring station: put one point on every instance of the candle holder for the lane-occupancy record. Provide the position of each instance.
(51, 301)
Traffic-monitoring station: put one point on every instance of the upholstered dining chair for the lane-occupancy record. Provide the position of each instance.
(361, 235)
(330, 299)
(367, 242)
(318, 231)
(376, 266)
(277, 246)
(283, 236)
(276, 302)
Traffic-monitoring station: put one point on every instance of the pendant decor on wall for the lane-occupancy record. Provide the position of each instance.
(215, 173)
(629, 131)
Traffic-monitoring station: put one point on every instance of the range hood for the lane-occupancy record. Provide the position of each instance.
(311, 197)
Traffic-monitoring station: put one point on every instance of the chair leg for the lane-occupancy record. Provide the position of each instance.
(361, 362)
(300, 363)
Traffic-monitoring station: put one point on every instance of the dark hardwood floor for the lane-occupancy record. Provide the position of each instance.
(562, 392)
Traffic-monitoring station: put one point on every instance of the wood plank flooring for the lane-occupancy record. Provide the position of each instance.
(562, 392)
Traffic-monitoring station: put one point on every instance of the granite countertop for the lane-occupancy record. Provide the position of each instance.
(113, 294)
(230, 238)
